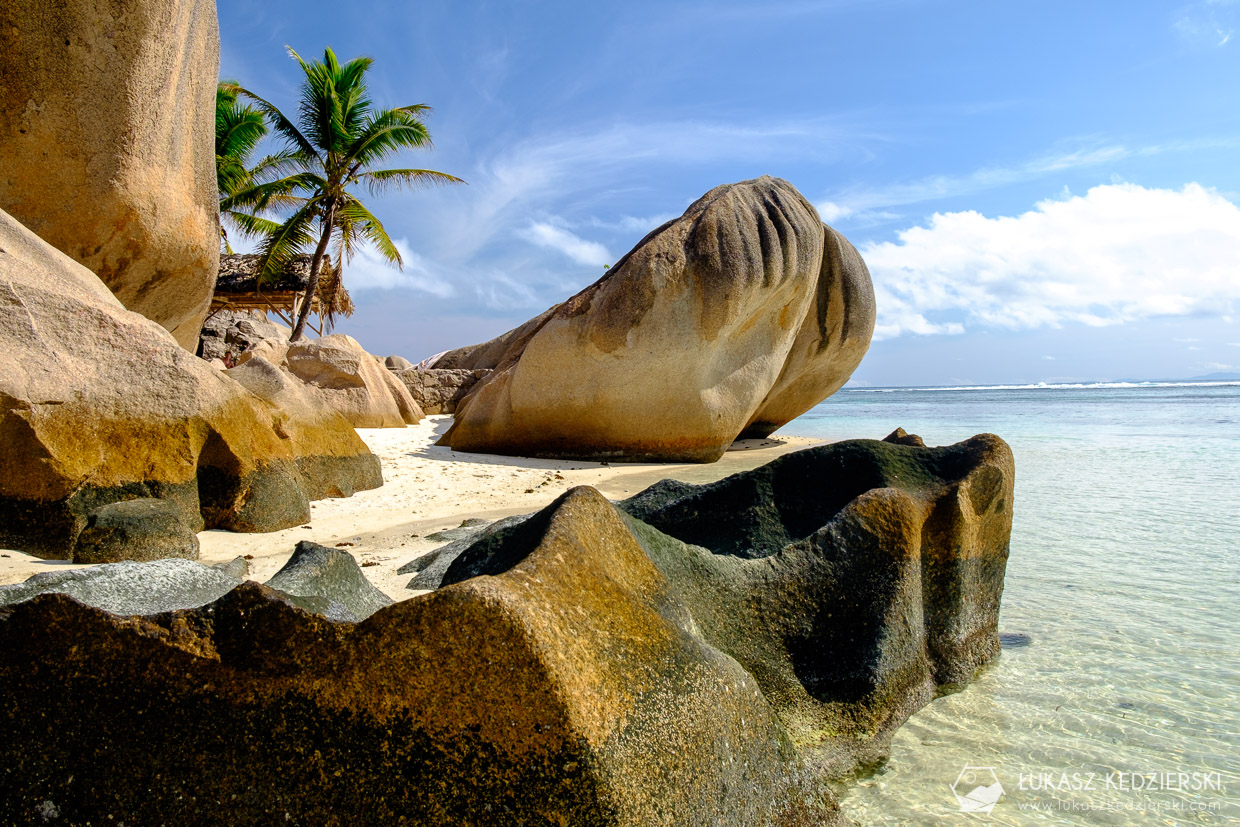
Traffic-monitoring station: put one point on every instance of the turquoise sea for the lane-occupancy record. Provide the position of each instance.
(1116, 699)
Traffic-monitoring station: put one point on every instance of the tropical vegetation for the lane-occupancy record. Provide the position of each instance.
(245, 188)
(332, 147)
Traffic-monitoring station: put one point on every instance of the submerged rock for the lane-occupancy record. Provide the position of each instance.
(130, 588)
(656, 663)
(107, 135)
(99, 404)
(330, 578)
(728, 321)
(141, 529)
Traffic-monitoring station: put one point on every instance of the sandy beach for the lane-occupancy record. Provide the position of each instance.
(427, 489)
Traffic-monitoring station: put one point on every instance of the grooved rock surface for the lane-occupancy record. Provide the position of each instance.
(700, 655)
(341, 376)
(107, 136)
(141, 529)
(99, 404)
(438, 391)
(730, 320)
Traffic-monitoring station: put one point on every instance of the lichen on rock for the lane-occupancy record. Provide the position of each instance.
(693, 655)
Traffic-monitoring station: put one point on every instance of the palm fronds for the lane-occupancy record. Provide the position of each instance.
(337, 136)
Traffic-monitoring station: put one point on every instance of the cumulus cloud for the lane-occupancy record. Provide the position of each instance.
(369, 271)
(574, 246)
(1118, 253)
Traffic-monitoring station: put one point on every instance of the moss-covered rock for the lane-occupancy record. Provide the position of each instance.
(592, 664)
(142, 529)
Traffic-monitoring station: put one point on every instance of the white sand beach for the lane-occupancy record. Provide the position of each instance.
(427, 489)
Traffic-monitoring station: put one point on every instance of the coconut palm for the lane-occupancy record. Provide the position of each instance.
(245, 189)
(337, 138)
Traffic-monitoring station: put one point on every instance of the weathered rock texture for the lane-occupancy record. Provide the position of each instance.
(438, 391)
(579, 667)
(107, 136)
(227, 334)
(316, 571)
(730, 320)
(141, 529)
(131, 588)
(99, 404)
(340, 375)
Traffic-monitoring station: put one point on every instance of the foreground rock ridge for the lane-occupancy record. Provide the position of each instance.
(107, 135)
(696, 655)
(729, 321)
(99, 404)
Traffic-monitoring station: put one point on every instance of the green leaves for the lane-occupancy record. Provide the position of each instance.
(337, 137)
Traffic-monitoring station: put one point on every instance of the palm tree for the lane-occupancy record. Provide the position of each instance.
(337, 139)
(245, 190)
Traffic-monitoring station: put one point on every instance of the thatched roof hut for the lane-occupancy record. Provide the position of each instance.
(237, 287)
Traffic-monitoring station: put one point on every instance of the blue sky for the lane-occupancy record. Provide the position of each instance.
(1044, 191)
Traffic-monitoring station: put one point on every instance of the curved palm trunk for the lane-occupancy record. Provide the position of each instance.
(316, 264)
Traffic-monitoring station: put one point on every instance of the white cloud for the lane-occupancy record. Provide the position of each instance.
(502, 292)
(1119, 253)
(632, 223)
(571, 245)
(1206, 24)
(831, 211)
(860, 202)
(528, 175)
(369, 271)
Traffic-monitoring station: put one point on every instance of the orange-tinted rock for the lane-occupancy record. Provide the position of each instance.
(99, 404)
(579, 667)
(107, 135)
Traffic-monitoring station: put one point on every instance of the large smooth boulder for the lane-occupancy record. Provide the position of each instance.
(700, 655)
(107, 135)
(439, 391)
(832, 339)
(99, 404)
(342, 376)
(732, 319)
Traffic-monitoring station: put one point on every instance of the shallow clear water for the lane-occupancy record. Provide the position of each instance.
(1124, 572)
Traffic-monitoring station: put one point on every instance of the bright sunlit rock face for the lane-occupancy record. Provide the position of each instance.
(106, 133)
(102, 405)
(730, 320)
